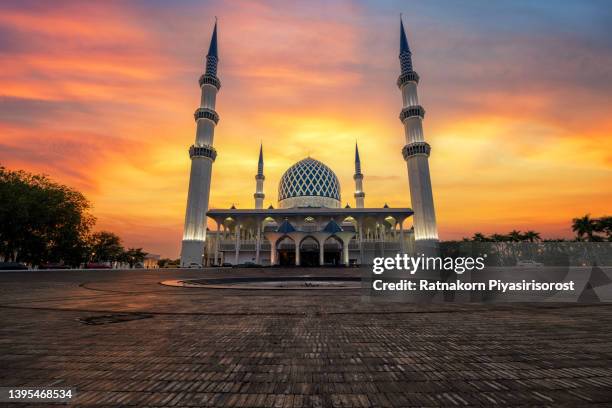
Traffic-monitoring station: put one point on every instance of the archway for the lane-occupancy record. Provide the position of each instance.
(285, 248)
(309, 252)
(332, 251)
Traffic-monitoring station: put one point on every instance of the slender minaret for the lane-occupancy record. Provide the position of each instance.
(202, 154)
(416, 152)
(358, 177)
(259, 177)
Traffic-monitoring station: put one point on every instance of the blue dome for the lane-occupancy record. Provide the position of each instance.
(309, 178)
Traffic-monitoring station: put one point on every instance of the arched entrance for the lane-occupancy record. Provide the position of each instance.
(285, 248)
(332, 251)
(309, 252)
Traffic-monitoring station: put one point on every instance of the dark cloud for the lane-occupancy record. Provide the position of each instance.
(36, 112)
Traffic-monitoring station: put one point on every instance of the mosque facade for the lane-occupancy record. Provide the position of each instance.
(309, 226)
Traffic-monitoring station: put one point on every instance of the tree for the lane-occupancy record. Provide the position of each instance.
(105, 246)
(604, 225)
(479, 237)
(585, 225)
(532, 236)
(163, 262)
(499, 238)
(515, 236)
(168, 263)
(42, 221)
(133, 256)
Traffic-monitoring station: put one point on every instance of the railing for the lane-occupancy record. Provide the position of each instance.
(355, 241)
(353, 246)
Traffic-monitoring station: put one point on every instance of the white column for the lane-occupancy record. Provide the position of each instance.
(320, 237)
(359, 194)
(194, 232)
(416, 153)
(273, 238)
(258, 241)
(202, 156)
(259, 194)
(259, 179)
(237, 228)
(360, 226)
(345, 238)
(321, 253)
(382, 237)
(272, 252)
(217, 243)
(345, 253)
(401, 225)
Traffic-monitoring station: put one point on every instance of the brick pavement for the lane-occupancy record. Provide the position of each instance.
(235, 348)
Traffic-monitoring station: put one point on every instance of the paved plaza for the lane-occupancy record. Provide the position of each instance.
(121, 339)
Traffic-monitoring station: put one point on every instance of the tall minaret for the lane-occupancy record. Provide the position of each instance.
(202, 154)
(259, 177)
(416, 152)
(358, 177)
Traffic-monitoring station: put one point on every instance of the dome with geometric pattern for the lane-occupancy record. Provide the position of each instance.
(309, 183)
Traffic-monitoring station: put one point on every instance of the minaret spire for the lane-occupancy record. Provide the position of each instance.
(212, 58)
(260, 163)
(416, 153)
(212, 48)
(357, 160)
(259, 179)
(202, 154)
(358, 177)
(405, 54)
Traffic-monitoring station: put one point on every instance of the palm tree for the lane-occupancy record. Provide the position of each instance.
(604, 224)
(532, 236)
(515, 236)
(584, 226)
(499, 238)
(479, 237)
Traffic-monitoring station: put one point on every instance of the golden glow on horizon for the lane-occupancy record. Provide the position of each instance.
(103, 102)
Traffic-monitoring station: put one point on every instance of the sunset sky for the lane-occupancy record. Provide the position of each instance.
(100, 96)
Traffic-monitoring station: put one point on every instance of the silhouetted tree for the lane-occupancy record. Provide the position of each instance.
(479, 237)
(515, 236)
(163, 262)
(499, 238)
(168, 263)
(532, 236)
(133, 256)
(585, 225)
(604, 225)
(42, 221)
(105, 247)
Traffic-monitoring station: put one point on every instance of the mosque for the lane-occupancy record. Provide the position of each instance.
(309, 226)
